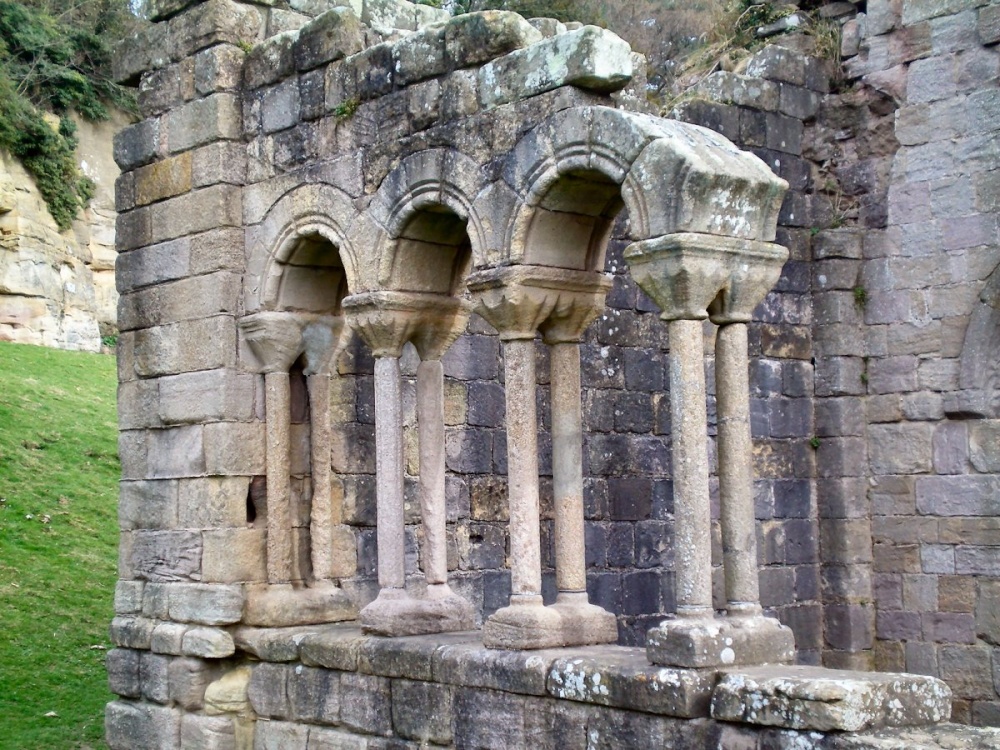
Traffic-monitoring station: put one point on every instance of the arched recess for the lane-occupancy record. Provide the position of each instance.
(573, 173)
(703, 216)
(301, 265)
(290, 235)
(424, 235)
(424, 209)
(979, 376)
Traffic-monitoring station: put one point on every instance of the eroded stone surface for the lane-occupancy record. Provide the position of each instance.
(825, 699)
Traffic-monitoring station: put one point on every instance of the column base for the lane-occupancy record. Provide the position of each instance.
(396, 613)
(716, 642)
(280, 605)
(583, 623)
(527, 624)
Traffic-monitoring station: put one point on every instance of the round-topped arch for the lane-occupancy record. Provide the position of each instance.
(300, 257)
(574, 173)
(426, 226)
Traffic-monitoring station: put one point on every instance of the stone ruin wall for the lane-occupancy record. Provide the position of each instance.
(875, 539)
(58, 288)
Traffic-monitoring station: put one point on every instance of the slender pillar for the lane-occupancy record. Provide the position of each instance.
(322, 513)
(693, 277)
(692, 510)
(739, 540)
(522, 471)
(279, 538)
(389, 472)
(567, 467)
(433, 505)
(388, 320)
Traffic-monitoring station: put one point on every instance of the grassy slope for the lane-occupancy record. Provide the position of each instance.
(58, 539)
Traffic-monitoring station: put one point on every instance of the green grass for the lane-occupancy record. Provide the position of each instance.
(58, 537)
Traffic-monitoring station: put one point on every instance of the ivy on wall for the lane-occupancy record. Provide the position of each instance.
(52, 60)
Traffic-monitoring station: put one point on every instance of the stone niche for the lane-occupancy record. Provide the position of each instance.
(326, 210)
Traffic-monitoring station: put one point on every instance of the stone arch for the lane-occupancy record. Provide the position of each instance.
(315, 213)
(425, 205)
(573, 173)
(979, 376)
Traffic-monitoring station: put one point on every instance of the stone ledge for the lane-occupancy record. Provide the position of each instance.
(614, 676)
(829, 699)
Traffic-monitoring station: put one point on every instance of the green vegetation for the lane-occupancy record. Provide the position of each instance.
(346, 109)
(58, 537)
(53, 58)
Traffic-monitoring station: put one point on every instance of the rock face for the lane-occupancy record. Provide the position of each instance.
(58, 288)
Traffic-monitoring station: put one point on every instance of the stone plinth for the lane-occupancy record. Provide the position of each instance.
(282, 605)
(829, 699)
(706, 642)
(560, 303)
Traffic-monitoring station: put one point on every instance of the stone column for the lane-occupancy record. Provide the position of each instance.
(687, 275)
(321, 341)
(433, 504)
(692, 509)
(277, 405)
(389, 470)
(739, 537)
(387, 321)
(518, 301)
(583, 622)
(278, 339)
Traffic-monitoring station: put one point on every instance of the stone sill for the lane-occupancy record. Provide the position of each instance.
(614, 676)
(618, 677)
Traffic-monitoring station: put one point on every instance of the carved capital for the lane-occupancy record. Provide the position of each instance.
(520, 300)
(275, 338)
(322, 342)
(387, 320)
(279, 338)
(694, 276)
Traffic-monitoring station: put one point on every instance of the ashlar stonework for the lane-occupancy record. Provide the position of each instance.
(375, 262)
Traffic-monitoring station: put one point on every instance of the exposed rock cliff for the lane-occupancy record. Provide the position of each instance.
(58, 288)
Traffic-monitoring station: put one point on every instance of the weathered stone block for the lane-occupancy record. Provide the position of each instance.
(234, 555)
(422, 711)
(167, 638)
(186, 346)
(234, 448)
(147, 505)
(365, 703)
(198, 211)
(133, 725)
(206, 604)
(967, 670)
(475, 38)
(187, 681)
(207, 643)
(163, 179)
(123, 672)
(590, 58)
(731, 88)
(419, 56)
(209, 395)
(333, 35)
(280, 735)
(216, 117)
(900, 448)
(623, 678)
(959, 495)
(314, 695)
(813, 698)
(212, 502)
(165, 555)
(208, 732)
(137, 144)
(186, 299)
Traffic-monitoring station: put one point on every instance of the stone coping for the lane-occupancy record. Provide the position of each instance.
(615, 676)
(792, 697)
